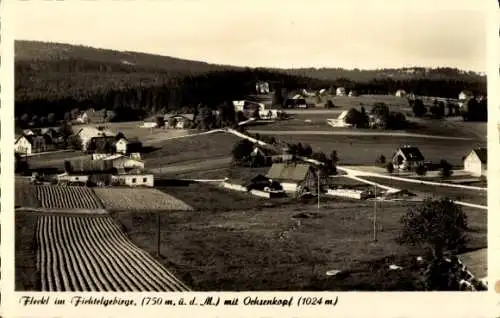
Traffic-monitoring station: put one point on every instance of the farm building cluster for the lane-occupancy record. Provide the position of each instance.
(31, 141)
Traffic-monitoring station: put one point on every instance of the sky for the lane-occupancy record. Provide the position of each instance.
(363, 34)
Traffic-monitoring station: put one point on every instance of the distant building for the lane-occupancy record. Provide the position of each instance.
(92, 116)
(88, 132)
(340, 91)
(340, 121)
(134, 180)
(407, 158)
(23, 145)
(400, 93)
(353, 93)
(465, 95)
(262, 87)
(179, 121)
(476, 162)
(294, 177)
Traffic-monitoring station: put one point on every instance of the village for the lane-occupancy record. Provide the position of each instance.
(271, 160)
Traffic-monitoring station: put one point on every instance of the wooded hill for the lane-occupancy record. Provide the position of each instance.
(56, 78)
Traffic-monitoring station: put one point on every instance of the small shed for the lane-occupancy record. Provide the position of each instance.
(476, 162)
(407, 158)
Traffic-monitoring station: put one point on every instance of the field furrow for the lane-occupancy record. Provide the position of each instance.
(163, 275)
(89, 253)
(65, 197)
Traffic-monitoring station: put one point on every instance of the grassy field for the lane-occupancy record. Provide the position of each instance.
(27, 277)
(269, 249)
(26, 194)
(366, 149)
(196, 148)
(470, 196)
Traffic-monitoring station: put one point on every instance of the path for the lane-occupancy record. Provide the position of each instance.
(351, 133)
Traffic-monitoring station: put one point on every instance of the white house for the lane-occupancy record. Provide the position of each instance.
(464, 95)
(88, 132)
(22, 145)
(121, 145)
(134, 180)
(476, 162)
(340, 91)
(148, 124)
(400, 93)
(340, 121)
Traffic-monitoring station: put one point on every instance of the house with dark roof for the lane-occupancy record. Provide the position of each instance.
(294, 177)
(476, 162)
(407, 158)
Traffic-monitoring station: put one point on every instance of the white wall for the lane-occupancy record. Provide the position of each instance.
(473, 165)
(140, 180)
(289, 187)
(23, 146)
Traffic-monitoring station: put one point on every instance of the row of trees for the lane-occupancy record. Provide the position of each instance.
(473, 109)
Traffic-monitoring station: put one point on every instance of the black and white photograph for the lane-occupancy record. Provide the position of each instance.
(198, 146)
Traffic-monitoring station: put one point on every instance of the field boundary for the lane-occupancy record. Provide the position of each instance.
(440, 184)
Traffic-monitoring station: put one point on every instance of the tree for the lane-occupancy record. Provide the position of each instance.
(242, 150)
(75, 142)
(334, 157)
(445, 169)
(160, 121)
(51, 118)
(329, 104)
(438, 227)
(277, 97)
(421, 170)
(381, 159)
(307, 150)
(356, 118)
(66, 130)
(172, 122)
(419, 108)
(390, 167)
(255, 114)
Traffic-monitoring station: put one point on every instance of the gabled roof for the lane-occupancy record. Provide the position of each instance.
(482, 154)
(28, 138)
(288, 172)
(412, 153)
(185, 116)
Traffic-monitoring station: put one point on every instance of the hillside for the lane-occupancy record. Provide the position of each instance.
(31, 52)
(58, 78)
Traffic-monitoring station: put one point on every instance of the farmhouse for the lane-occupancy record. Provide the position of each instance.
(124, 145)
(179, 121)
(340, 91)
(88, 132)
(22, 145)
(400, 93)
(407, 158)
(294, 177)
(465, 95)
(476, 162)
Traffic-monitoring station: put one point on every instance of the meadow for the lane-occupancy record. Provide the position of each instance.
(284, 248)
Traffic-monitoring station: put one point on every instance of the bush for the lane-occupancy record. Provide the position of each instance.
(390, 167)
(329, 104)
(421, 170)
(381, 160)
(445, 169)
(419, 108)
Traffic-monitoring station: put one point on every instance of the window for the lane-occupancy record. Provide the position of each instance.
(144, 180)
(76, 178)
(134, 180)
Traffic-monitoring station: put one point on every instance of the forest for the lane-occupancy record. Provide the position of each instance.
(50, 86)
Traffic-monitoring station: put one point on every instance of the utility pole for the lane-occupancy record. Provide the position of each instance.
(158, 234)
(318, 188)
(375, 216)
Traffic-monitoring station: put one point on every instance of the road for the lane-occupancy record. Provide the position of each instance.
(351, 133)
